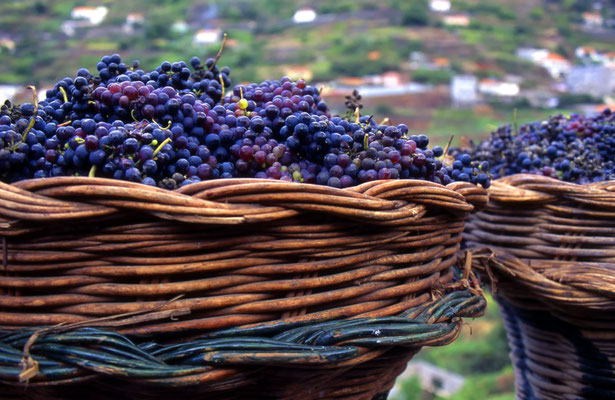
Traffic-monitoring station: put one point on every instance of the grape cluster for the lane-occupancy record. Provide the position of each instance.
(577, 148)
(183, 123)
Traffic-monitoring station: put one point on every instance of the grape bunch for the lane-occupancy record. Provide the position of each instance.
(183, 123)
(577, 148)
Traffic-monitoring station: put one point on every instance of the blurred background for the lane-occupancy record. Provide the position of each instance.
(443, 67)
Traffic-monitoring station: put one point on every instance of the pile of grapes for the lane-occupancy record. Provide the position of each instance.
(182, 123)
(578, 148)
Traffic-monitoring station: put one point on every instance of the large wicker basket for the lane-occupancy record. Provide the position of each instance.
(551, 261)
(229, 289)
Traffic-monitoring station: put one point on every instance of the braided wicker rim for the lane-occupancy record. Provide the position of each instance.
(552, 241)
(77, 355)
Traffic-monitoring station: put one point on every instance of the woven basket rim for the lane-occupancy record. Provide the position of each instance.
(230, 201)
(539, 189)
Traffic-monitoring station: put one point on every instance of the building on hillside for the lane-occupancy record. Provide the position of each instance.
(387, 79)
(531, 54)
(594, 80)
(557, 66)
(135, 19)
(180, 27)
(441, 63)
(464, 90)
(94, 15)
(304, 15)
(298, 72)
(440, 5)
(374, 55)
(69, 27)
(456, 20)
(8, 44)
(587, 54)
(609, 60)
(417, 59)
(207, 36)
(493, 87)
(592, 19)
(435, 380)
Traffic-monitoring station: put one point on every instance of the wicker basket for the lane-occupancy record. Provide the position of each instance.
(229, 289)
(552, 265)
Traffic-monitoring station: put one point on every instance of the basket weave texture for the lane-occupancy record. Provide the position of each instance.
(551, 261)
(240, 261)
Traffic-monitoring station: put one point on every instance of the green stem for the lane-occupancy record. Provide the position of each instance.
(63, 94)
(219, 53)
(33, 118)
(167, 140)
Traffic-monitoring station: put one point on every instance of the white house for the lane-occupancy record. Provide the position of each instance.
(304, 15)
(531, 54)
(587, 54)
(298, 72)
(493, 87)
(135, 19)
(180, 27)
(387, 79)
(592, 19)
(464, 90)
(556, 65)
(94, 15)
(433, 379)
(440, 5)
(207, 36)
(456, 20)
(7, 43)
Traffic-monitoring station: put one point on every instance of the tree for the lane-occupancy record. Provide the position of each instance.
(415, 12)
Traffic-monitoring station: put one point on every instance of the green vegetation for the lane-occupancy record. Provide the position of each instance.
(480, 354)
(436, 77)
(355, 38)
(394, 29)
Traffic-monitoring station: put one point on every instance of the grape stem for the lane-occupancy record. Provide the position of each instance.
(35, 113)
(167, 140)
(63, 94)
(448, 145)
(132, 114)
(219, 53)
(92, 173)
(221, 84)
(160, 126)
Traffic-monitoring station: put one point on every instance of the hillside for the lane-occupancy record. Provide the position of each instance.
(42, 41)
